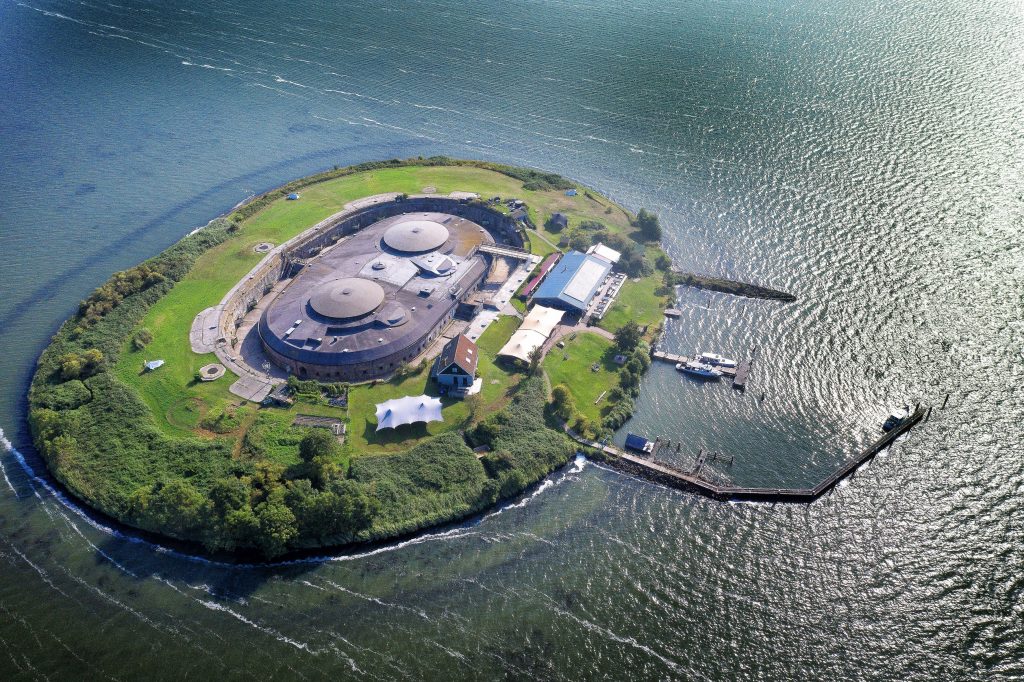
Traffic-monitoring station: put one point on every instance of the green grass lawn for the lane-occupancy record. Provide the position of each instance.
(577, 209)
(178, 402)
(538, 246)
(637, 301)
(583, 383)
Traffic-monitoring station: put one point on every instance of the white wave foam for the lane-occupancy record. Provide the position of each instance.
(6, 445)
(185, 62)
(278, 79)
(374, 600)
(214, 606)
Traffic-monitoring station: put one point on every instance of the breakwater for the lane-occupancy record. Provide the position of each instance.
(729, 286)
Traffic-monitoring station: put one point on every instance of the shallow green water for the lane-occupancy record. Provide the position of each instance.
(865, 156)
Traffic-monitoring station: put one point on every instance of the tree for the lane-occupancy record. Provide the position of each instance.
(649, 226)
(75, 366)
(233, 521)
(175, 507)
(70, 367)
(628, 336)
(475, 404)
(579, 240)
(318, 442)
(581, 425)
(536, 356)
(562, 403)
(142, 339)
(276, 527)
(634, 263)
(628, 379)
(323, 469)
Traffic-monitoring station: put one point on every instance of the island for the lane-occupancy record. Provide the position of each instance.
(355, 356)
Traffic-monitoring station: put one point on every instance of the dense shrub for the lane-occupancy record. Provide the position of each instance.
(433, 482)
(650, 227)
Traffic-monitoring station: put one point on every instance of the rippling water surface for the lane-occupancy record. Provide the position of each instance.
(867, 156)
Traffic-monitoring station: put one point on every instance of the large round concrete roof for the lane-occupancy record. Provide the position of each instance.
(416, 236)
(346, 298)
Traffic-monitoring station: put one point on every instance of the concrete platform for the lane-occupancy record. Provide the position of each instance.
(203, 335)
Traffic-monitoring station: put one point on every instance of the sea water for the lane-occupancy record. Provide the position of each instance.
(864, 156)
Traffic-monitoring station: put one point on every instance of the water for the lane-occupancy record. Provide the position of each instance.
(866, 156)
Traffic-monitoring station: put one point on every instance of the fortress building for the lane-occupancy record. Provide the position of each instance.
(375, 297)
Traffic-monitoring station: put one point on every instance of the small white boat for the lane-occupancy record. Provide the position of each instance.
(699, 369)
(895, 419)
(716, 360)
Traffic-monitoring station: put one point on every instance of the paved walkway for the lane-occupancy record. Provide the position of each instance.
(205, 329)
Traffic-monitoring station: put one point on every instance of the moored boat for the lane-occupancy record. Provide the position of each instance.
(716, 360)
(639, 443)
(699, 369)
(895, 419)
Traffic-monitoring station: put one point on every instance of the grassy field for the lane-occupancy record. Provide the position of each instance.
(572, 366)
(638, 301)
(586, 205)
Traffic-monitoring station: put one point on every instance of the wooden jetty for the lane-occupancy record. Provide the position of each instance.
(739, 380)
(666, 474)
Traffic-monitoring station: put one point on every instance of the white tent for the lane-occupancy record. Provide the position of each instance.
(522, 344)
(534, 331)
(408, 410)
(542, 320)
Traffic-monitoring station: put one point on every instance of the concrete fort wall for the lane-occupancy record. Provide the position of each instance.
(361, 371)
(249, 291)
(288, 258)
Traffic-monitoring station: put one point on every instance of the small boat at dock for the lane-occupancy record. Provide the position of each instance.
(716, 360)
(895, 418)
(699, 369)
(639, 443)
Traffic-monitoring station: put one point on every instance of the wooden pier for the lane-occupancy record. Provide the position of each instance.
(669, 475)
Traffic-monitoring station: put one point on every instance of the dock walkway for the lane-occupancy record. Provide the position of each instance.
(691, 481)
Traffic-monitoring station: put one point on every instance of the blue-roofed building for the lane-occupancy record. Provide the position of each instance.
(572, 283)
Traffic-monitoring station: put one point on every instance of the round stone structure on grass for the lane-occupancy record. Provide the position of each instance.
(211, 372)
